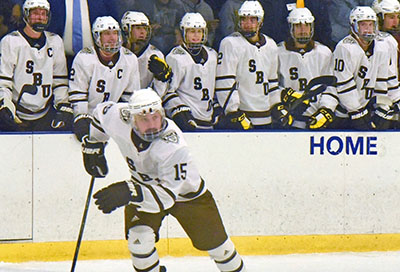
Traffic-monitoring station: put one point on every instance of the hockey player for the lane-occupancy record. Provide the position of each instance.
(164, 180)
(153, 69)
(388, 12)
(300, 60)
(247, 79)
(189, 100)
(33, 75)
(361, 65)
(103, 72)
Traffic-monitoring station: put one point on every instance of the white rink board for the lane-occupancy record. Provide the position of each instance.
(16, 187)
(265, 183)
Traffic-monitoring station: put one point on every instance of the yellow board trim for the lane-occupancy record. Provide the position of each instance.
(178, 247)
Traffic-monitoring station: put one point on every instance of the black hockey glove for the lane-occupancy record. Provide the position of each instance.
(360, 120)
(7, 114)
(63, 117)
(93, 158)
(281, 116)
(159, 68)
(184, 118)
(117, 195)
(236, 120)
(289, 96)
(321, 119)
(81, 126)
(382, 118)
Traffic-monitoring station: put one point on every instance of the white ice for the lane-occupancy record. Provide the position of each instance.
(332, 262)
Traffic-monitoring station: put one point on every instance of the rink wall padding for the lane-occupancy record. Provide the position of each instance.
(278, 193)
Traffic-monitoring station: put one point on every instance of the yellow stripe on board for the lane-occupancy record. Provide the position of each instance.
(246, 245)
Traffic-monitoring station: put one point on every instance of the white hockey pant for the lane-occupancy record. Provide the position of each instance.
(141, 244)
(226, 258)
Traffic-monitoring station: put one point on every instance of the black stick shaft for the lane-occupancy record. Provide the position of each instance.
(85, 212)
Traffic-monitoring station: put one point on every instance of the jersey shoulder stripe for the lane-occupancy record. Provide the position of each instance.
(178, 51)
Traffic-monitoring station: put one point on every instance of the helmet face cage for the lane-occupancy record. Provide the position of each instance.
(196, 21)
(102, 24)
(383, 7)
(143, 102)
(250, 9)
(131, 19)
(360, 14)
(301, 16)
(33, 4)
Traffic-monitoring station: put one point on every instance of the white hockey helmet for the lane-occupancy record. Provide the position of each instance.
(363, 13)
(193, 20)
(32, 4)
(383, 7)
(102, 24)
(135, 18)
(143, 102)
(301, 16)
(250, 9)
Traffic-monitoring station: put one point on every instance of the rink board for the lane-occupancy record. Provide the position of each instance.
(278, 192)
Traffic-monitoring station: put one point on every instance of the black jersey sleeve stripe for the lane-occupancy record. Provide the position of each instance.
(347, 90)
(344, 82)
(6, 78)
(60, 77)
(225, 77)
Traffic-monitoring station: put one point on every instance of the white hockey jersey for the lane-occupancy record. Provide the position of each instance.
(91, 82)
(247, 77)
(393, 82)
(146, 77)
(31, 75)
(193, 84)
(163, 168)
(360, 75)
(297, 68)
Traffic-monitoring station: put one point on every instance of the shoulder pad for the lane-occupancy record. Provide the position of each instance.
(51, 34)
(152, 47)
(170, 136)
(349, 40)
(14, 33)
(87, 50)
(178, 51)
(383, 35)
(235, 34)
(281, 44)
(126, 51)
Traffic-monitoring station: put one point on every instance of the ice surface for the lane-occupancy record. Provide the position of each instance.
(332, 262)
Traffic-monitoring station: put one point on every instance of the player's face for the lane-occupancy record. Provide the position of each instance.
(249, 23)
(194, 35)
(109, 38)
(302, 30)
(38, 15)
(366, 27)
(139, 33)
(391, 21)
(149, 123)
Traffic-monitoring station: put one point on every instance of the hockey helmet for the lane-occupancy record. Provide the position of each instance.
(33, 4)
(363, 13)
(144, 102)
(135, 18)
(250, 9)
(301, 16)
(102, 24)
(383, 7)
(193, 20)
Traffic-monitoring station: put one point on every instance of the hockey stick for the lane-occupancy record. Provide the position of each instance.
(323, 81)
(83, 222)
